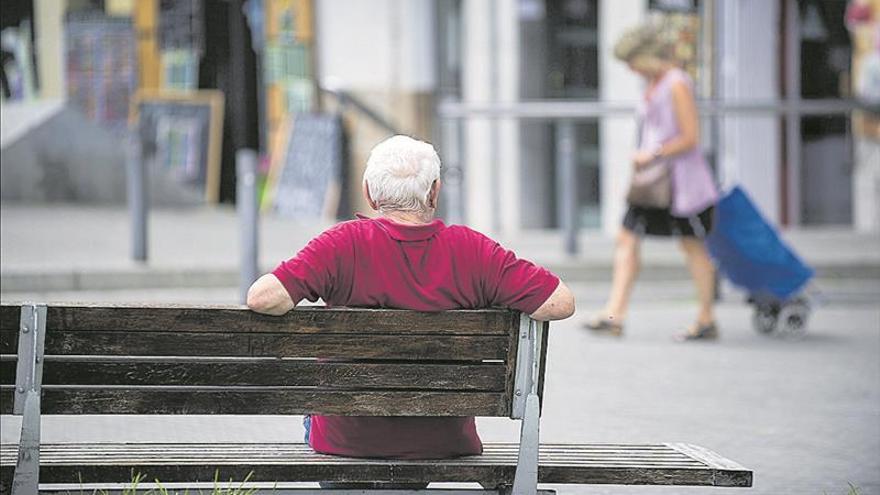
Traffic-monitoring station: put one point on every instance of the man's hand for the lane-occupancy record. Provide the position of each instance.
(268, 296)
(559, 306)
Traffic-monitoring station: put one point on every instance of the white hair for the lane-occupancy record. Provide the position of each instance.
(400, 173)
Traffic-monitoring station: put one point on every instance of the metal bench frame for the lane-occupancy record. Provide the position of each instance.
(28, 382)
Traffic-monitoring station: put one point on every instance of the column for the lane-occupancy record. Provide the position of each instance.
(617, 134)
(476, 88)
(750, 71)
(49, 27)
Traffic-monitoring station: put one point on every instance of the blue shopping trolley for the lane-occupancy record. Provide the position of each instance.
(749, 253)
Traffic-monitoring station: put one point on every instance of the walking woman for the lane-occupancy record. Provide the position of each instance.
(669, 137)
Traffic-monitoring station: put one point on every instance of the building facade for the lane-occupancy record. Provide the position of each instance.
(491, 81)
(751, 57)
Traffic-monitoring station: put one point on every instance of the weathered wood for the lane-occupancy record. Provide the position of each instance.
(330, 346)
(512, 349)
(542, 365)
(706, 456)
(6, 474)
(10, 315)
(8, 364)
(232, 319)
(9, 341)
(7, 399)
(58, 399)
(568, 464)
(62, 370)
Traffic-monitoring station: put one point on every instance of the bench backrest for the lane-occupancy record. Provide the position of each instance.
(229, 360)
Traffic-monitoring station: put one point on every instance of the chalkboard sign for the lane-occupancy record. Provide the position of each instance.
(182, 133)
(307, 184)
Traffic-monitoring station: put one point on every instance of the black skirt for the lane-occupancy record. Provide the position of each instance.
(661, 222)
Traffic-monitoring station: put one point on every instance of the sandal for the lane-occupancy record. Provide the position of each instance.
(698, 332)
(604, 324)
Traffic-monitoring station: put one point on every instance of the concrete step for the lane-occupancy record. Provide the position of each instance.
(590, 295)
(80, 248)
(147, 277)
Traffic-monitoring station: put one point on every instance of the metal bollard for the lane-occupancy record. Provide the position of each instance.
(248, 217)
(566, 182)
(136, 185)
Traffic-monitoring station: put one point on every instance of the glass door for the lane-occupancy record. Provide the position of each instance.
(826, 167)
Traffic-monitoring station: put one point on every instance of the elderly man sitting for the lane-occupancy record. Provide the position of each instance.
(405, 259)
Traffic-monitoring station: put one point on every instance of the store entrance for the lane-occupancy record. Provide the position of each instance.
(826, 169)
(559, 58)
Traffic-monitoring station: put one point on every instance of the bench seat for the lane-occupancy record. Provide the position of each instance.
(633, 464)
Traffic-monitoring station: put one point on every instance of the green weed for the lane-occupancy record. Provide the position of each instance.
(137, 479)
(853, 490)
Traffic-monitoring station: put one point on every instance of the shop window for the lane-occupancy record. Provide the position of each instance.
(571, 40)
(826, 190)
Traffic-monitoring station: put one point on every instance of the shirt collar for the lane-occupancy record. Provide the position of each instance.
(407, 233)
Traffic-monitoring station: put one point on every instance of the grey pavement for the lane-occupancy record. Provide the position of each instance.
(67, 248)
(804, 415)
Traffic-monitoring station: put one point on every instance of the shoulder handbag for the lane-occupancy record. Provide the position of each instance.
(651, 185)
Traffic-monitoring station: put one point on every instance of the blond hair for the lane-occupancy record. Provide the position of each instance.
(648, 40)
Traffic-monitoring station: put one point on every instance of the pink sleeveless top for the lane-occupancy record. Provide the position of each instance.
(693, 188)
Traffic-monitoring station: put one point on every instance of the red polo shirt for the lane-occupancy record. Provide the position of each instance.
(433, 267)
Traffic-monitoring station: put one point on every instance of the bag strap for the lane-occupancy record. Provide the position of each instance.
(640, 123)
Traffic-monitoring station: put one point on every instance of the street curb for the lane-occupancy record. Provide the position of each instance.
(580, 272)
(183, 278)
(152, 278)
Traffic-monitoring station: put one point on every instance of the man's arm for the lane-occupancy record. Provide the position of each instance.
(268, 296)
(559, 306)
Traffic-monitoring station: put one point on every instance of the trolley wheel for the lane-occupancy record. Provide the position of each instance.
(793, 318)
(764, 320)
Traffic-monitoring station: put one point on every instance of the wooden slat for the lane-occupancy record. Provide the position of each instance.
(59, 370)
(57, 399)
(230, 319)
(549, 452)
(227, 452)
(331, 346)
(230, 456)
(705, 456)
(10, 317)
(6, 399)
(512, 349)
(542, 364)
(564, 464)
(9, 341)
(724, 465)
(7, 369)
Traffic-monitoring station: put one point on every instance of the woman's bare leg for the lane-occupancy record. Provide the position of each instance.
(626, 268)
(703, 272)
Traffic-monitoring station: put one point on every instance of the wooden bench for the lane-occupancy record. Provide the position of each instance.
(78, 359)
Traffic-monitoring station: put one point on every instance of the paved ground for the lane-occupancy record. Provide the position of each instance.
(805, 415)
(75, 248)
